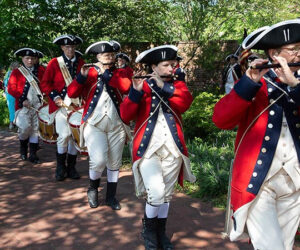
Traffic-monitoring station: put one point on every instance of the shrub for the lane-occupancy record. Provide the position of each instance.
(210, 164)
(4, 115)
(197, 121)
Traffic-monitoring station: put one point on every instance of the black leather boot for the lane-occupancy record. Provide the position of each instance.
(163, 241)
(33, 148)
(24, 149)
(71, 170)
(60, 173)
(92, 193)
(110, 196)
(149, 233)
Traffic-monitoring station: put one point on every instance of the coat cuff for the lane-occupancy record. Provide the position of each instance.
(80, 78)
(135, 95)
(294, 93)
(246, 88)
(53, 94)
(168, 90)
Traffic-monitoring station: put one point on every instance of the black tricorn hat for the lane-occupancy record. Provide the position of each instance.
(123, 56)
(67, 40)
(26, 52)
(231, 56)
(78, 53)
(103, 47)
(39, 54)
(275, 36)
(157, 54)
(179, 58)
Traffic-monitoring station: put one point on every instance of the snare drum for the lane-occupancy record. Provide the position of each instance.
(74, 120)
(47, 130)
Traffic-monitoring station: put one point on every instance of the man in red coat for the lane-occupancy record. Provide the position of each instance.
(24, 86)
(122, 62)
(265, 105)
(159, 152)
(59, 74)
(103, 86)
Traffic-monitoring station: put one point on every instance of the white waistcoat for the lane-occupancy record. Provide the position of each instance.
(161, 137)
(286, 156)
(105, 106)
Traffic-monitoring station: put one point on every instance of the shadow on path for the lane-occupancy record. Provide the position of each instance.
(39, 213)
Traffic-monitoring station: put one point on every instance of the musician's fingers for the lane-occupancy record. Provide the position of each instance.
(282, 61)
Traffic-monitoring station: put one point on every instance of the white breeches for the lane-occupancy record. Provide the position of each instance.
(160, 174)
(27, 123)
(63, 130)
(274, 216)
(105, 142)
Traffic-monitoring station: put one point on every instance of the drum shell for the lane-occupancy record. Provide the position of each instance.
(47, 130)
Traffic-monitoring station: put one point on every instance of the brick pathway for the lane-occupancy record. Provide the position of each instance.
(38, 213)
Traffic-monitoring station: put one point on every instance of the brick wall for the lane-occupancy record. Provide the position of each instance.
(198, 77)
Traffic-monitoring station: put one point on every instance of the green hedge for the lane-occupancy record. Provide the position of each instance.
(210, 164)
(211, 150)
(4, 115)
(197, 121)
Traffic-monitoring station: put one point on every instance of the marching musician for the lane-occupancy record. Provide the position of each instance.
(122, 62)
(265, 105)
(159, 151)
(23, 84)
(233, 73)
(59, 74)
(102, 86)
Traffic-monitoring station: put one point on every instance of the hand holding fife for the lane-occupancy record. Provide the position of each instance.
(85, 69)
(157, 79)
(256, 74)
(284, 73)
(138, 82)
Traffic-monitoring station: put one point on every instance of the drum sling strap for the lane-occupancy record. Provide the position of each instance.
(68, 79)
(30, 79)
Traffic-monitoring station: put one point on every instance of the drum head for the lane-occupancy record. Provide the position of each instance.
(44, 115)
(75, 118)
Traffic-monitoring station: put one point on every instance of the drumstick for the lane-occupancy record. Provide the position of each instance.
(67, 107)
(34, 109)
(70, 108)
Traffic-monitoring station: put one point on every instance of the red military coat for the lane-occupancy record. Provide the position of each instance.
(256, 150)
(139, 106)
(18, 86)
(53, 83)
(90, 88)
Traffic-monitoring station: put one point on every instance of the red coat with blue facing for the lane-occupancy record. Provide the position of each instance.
(117, 83)
(256, 150)
(143, 108)
(53, 83)
(18, 86)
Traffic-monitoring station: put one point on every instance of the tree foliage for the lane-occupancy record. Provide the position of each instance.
(36, 23)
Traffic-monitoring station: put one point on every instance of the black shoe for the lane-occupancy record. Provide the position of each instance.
(24, 149)
(163, 241)
(92, 193)
(113, 203)
(71, 170)
(60, 173)
(149, 233)
(110, 196)
(33, 148)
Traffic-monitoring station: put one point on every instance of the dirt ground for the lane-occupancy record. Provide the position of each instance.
(38, 213)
